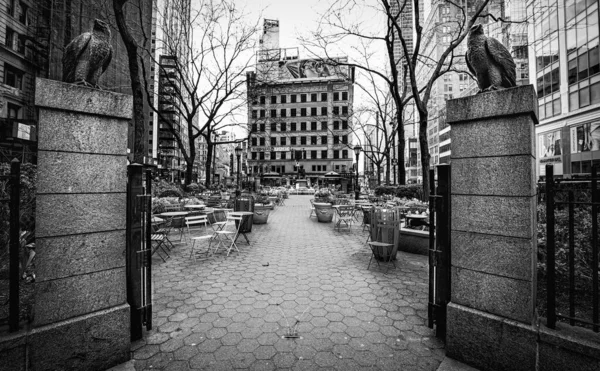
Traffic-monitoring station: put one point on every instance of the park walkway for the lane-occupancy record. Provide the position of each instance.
(232, 312)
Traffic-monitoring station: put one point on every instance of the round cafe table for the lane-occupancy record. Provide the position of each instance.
(245, 215)
(172, 214)
(198, 207)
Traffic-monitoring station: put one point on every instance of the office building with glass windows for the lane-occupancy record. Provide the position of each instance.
(563, 50)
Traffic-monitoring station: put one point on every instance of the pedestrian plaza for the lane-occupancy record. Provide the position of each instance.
(299, 297)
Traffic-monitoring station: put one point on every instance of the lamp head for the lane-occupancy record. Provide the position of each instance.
(357, 148)
(238, 151)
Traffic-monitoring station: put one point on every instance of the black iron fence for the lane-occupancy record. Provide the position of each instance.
(10, 246)
(571, 264)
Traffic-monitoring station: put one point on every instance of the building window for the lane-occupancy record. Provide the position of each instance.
(9, 41)
(313, 111)
(262, 127)
(261, 155)
(293, 112)
(283, 126)
(273, 127)
(282, 155)
(303, 140)
(302, 98)
(313, 140)
(344, 110)
(324, 153)
(283, 99)
(313, 154)
(325, 166)
(345, 95)
(336, 96)
(10, 8)
(13, 111)
(336, 154)
(262, 113)
(262, 141)
(344, 139)
(293, 98)
(254, 127)
(263, 99)
(313, 97)
(336, 110)
(273, 113)
(23, 10)
(344, 125)
(13, 76)
(273, 155)
(254, 141)
(323, 97)
(324, 139)
(303, 112)
(293, 141)
(302, 126)
(313, 126)
(283, 141)
(336, 139)
(323, 111)
(273, 99)
(293, 126)
(273, 141)
(345, 153)
(254, 156)
(283, 112)
(336, 125)
(324, 126)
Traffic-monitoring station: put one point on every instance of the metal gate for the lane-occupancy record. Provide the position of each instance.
(139, 249)
(439, 249)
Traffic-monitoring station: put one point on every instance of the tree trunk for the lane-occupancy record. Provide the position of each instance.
(378, 174)
(423, 118)
(401, 147)
(139, 150)
(209, 157)
(387, 170)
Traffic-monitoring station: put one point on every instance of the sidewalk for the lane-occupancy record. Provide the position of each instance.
(232, 312)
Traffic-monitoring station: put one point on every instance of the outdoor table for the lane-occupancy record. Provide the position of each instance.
(244, 215)
(200, 207)
(156, 219)
(172, 214)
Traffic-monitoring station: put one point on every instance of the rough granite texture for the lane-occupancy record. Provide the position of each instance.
(497, 176)
(504, 216)
(79, 254)
(499, 255)
(78, 132)
(489, 342)
(498, 295)
(93, 342)
(84, 173)
(507, 102)
(63, 214)
(493, 137)
(65, 298)
(76, 98)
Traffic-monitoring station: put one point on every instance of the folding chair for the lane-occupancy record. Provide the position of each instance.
(344, 215)
(382, 247)
(158, 242)
(228, 234)
(219, 225)
(164, 229)
(198, 220)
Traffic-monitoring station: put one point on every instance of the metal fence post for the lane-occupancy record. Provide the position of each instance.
(15, 180)
(595, 299)
(550, 248)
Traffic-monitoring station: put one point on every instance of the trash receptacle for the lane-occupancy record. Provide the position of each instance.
(245, 203)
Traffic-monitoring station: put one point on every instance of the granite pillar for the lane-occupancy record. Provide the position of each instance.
(80, 291)
(493, 196)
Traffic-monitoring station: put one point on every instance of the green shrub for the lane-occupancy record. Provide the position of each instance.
(402, 191)
(162, 188)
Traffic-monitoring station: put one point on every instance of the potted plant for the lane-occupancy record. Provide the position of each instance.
(323, 196)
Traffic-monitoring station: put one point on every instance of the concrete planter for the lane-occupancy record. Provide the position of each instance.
(324, 212)
(261, 214)
(413, 241)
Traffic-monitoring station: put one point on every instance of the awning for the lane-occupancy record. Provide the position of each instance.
(332, 175)
(272, 175)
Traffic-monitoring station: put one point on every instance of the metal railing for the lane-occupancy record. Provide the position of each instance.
(579, 245)
(14, 179)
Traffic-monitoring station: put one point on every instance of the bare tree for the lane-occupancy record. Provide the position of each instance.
(210, 45)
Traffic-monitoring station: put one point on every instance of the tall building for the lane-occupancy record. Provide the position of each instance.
(171, 26)
(563, 55)
(299, 114)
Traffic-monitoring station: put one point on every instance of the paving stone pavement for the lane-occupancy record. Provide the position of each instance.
(232, 312)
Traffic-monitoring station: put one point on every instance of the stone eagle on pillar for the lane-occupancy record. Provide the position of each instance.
(88, 55)
(489, 61)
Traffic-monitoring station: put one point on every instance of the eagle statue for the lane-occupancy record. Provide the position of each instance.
(489, 61)
(88, 55)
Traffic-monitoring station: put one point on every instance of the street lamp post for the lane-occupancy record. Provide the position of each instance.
(357, 149)
(394, 164)
(238, 153)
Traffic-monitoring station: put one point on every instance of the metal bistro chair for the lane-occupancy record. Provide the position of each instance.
(199, 220)
(344, 215)
(228, 234)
